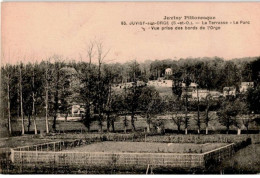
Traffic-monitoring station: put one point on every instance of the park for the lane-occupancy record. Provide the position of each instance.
(143, 118)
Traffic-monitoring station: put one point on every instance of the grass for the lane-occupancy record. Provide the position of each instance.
(148, 147)
(140, 123)
(246, 160)
(13, 142)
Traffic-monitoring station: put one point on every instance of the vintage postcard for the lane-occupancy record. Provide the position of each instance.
(130, 88)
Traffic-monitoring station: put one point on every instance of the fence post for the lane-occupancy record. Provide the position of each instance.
(54, 146)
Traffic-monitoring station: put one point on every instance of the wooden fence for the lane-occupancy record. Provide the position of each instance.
(49, 155)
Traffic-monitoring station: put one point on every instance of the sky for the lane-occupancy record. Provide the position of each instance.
(37, 30)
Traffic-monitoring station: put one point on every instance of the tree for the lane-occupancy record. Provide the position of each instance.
(256, 71)
(6, 84)
(245, 115)
(132, 100)
(253, 99)
(47, 81)
(241, 110)
(33, 100)
(111, 73)
(100, 99)
(207, 117)
(150, 104)
(109, 97)
(69, 86)
(175, 107)
(56, 82)
(232, 77)
(87, 77)
(187, 82)
(177, 84)
(27, 93)
(21, 96)
(197, 76)
(125, 109)
(227, 114)
(37, 92)
(159, 125)
(247, 119)
(133, 93)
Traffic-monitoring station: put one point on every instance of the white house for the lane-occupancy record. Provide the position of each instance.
(168, 71)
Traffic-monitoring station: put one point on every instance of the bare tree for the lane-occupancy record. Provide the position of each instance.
(57, 78)
(207, 110)
(33, 100)
(187, 82)
(21, 97)
(177, 118)
(198, 111)
(125, 111)
(87, 78)
(101, 56)
(46, 95)
(8, 84)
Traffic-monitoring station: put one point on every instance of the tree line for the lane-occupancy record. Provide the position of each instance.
(50, 87)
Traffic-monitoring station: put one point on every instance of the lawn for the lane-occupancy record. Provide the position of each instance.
(147, 147)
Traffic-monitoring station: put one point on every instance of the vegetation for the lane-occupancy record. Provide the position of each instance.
(50, 89)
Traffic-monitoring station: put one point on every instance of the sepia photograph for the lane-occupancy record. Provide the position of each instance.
(132, 88)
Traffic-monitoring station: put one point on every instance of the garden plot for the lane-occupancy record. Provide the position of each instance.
(147, 147)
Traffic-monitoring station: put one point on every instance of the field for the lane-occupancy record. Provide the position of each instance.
(146, 147)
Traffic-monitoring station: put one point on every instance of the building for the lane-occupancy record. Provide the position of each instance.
(77, 110)
(202, 94)
(245, 86)
(229, 91)
(168, 72)
(160, 83)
